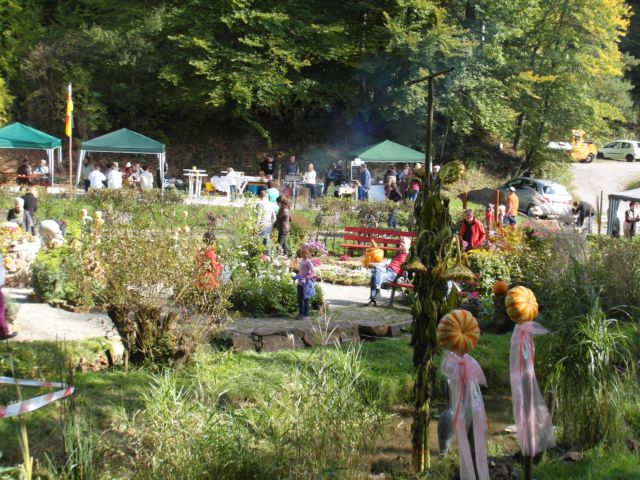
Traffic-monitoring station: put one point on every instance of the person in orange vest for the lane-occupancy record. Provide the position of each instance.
(513, 202)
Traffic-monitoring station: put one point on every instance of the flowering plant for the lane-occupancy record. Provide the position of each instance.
(316, 248)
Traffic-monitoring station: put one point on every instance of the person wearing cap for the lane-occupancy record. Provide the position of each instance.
(512, 203)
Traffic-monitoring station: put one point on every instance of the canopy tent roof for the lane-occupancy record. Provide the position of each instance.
(613, 220)
(626, 196)
(388, 151)
(18, 135)
(123, 141)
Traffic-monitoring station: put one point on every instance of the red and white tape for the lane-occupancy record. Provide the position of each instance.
(35, 403)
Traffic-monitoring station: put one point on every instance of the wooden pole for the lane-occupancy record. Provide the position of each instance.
(465, 199)
(528, 467)
(600, 213)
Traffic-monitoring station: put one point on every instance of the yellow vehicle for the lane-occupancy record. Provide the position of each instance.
(582, 149)
(578, 148)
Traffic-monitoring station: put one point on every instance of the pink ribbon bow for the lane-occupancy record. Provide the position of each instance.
(465, 377)
(533, 422)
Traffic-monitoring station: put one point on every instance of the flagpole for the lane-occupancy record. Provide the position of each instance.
(68, 127)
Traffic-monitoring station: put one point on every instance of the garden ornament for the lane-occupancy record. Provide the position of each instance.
(533, 422)
(458, 332)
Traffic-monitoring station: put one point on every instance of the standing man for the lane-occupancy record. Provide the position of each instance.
(630, 219)
(471, 231)
(268, 167)
(293, 167)
(266, 218)
(330, 177)
(513, 202)
(365, 183)
(85, 171)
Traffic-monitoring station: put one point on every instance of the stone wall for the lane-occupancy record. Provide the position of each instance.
(17, 263)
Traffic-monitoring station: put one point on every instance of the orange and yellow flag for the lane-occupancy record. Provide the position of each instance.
(68, 123)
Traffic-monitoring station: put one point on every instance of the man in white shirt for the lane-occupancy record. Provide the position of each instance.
(97, 178)
(114, 177)
(146, 178)
(266, 218)
(43, 170)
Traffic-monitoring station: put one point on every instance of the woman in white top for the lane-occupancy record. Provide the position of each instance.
(309, 179)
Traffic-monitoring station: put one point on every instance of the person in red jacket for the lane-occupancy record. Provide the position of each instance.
(472, 231)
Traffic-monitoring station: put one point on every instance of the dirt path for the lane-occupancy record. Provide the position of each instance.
(589, 179)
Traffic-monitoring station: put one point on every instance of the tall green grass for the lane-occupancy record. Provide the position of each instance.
(317, 418)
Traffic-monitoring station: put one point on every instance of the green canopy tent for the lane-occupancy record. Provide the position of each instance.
(389, 152)
(18, 135)
(124, 141)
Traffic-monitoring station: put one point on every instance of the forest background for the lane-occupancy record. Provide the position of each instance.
(224, 82)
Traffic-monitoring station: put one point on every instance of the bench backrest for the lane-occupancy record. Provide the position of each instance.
(369, 231)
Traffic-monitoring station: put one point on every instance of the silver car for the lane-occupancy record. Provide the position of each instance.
(540, 198)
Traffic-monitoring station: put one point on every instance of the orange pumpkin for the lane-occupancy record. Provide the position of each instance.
(458, 331)
(373, 254)
(500, 287)
(521, 304)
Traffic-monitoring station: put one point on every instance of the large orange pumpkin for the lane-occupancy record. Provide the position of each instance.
(500, 287)
(458, 331)
(521, 304)
(373, 254)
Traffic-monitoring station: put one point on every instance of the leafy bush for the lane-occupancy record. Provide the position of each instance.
(48, 277)
(589, 360)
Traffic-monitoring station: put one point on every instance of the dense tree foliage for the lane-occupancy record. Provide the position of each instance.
(525, 70)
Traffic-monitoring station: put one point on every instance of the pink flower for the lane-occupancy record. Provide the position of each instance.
(474, 295)
(316, 262)
(344, 258)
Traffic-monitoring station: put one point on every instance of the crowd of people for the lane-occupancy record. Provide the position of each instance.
(95, 176)
(28, 175)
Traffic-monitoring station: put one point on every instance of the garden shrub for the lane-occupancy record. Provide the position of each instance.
(48, 276)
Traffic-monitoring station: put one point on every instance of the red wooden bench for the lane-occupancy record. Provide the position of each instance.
(401, 284)
(359, 238)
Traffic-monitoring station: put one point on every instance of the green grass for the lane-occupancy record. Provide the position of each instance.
(633, 184)
(598, 464)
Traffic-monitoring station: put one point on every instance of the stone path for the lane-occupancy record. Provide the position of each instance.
(40, 321)
(348, 319)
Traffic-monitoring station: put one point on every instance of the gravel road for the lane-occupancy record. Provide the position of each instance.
(602, 175)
